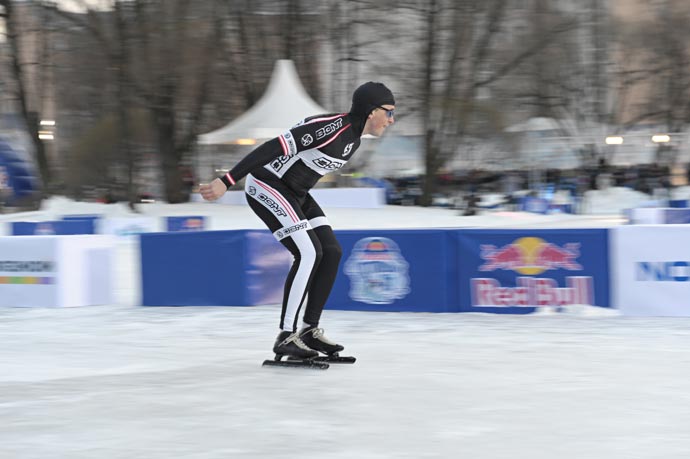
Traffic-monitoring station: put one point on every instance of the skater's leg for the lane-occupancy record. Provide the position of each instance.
(279, 209)
(325, 274)
(306, 249)
(323, 281)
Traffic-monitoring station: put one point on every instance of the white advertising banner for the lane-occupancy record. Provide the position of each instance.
(28, 271)
(56, 271)
(646, 216)
(128, 227)
(650, 270)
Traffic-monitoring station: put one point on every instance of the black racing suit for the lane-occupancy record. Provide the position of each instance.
(280, 174)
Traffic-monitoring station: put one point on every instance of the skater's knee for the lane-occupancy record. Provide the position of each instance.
(318, 255)
(331, 246)
(333, 251)
(311, 254)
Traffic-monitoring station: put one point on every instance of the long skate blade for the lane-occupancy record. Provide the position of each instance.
(312, 364)
(336, 359)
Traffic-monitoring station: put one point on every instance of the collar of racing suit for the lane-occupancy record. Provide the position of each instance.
(358, 123)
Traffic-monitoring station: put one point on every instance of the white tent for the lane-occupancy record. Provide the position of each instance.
(284, 103)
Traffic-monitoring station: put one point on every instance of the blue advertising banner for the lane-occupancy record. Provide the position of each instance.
(193, 223)
(57, 227)
(201, 268)
(677, 216)
(268, 263)
(515, 271)
(396, 270)
(93, 219)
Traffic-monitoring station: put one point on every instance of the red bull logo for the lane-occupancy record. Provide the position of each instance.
(532, 292)
(530, 256)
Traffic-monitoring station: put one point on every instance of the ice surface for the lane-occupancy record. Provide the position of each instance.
(125, 381)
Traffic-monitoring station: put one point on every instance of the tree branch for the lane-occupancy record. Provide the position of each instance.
(517, 60)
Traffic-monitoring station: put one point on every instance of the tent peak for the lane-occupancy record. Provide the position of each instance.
(284, 103)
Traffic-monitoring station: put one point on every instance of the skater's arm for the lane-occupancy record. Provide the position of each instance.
(314, 133)
(260, 156)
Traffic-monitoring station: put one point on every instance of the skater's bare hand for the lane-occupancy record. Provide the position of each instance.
(212, 191)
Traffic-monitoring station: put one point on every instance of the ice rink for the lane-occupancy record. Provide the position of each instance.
(125, 381)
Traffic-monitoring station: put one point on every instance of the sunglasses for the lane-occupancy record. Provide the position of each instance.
(389, 113)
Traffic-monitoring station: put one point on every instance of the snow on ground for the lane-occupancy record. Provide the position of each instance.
(241, 217)
(125, 381)
(613, 200)
(681, 192)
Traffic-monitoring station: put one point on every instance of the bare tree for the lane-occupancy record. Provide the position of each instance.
(666, 56)
(163, 54)
(460, 57)
(587, 79)
(29, 104)
(171, 72)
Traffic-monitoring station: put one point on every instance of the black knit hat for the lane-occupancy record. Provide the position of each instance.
(370, 96)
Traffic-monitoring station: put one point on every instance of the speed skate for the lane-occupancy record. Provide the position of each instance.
(336, 358)
(314, 363)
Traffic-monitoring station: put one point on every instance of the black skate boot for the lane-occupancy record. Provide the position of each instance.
(291, 345)
(314, 338)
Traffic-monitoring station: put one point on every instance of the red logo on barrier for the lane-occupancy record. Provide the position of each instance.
(530, 256)
(532, 291)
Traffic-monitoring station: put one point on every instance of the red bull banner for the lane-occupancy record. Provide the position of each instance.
(518, 271)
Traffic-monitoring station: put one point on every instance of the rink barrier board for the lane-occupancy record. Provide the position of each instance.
(644, 271)
(98, 224)
(248, 267)
(651, 272)
(395, 270)
(55, 227)
(205, 269)
(658, 215)
(517, 271)
(186, 223)
(56, 271)
(424, 270)
(212, 268)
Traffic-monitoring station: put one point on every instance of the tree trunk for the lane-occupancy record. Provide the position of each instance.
(165, 127)
(31, 118)
(427, 95)
(429, 186)
(123, 102)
